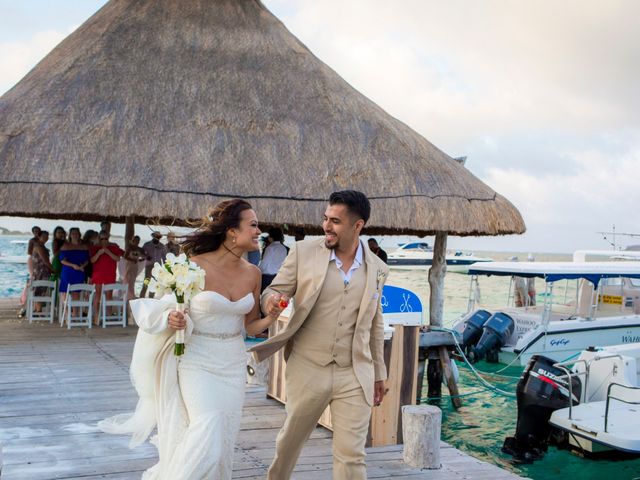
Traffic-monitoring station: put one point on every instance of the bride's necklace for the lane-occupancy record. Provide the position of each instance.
(231, 251)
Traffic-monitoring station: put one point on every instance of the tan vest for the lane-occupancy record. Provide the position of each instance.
(327, 333)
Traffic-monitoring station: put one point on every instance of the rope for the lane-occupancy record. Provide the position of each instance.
(475, 372)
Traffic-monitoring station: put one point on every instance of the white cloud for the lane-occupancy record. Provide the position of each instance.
(564, 211)
(17, 58)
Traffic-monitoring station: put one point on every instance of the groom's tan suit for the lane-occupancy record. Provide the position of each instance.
(334, 351)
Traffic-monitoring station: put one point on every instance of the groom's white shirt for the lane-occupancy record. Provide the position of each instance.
(357, 262)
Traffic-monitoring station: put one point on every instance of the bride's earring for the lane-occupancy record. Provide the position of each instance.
(234, 239)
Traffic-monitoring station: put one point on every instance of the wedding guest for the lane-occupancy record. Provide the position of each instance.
(133, 254)
(104, 257)
(42, 269)
(375, 248)
(172, 246)
(299, 234)
(265, 240)
(272, 257)
(105, 226)
(35, 230)
(59, 238)
(74, 257)
(90, 238)
(254, 257)
(154, 252)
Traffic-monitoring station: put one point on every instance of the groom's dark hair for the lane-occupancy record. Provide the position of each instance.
(356, 202)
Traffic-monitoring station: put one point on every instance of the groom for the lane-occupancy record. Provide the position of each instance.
(333, 341)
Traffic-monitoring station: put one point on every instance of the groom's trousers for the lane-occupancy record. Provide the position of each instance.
(310, 388)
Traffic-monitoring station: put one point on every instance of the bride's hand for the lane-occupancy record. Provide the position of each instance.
(177, 321)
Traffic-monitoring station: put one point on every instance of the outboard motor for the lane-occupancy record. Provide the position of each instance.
(495, 333)
(473, 329)
(542, 389)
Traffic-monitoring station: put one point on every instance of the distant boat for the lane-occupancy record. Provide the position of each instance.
(15, 258)
(419, 254)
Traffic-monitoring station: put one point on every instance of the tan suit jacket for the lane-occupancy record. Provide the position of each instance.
(301, 277)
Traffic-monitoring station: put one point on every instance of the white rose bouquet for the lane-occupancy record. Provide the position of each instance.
(182, 278)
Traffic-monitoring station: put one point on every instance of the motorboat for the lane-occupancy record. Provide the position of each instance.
(414, 255)
(607, 416)
(17, 244)
(588, 405)
(604, 310)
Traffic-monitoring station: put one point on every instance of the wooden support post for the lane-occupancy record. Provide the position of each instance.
(129, 230)
(445, 361)
(421, 426)
(437, 273)
(434, 378)
(436, 280)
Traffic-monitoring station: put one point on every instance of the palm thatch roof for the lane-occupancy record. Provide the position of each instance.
(159, 109)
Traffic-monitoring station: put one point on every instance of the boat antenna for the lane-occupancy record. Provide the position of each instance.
(613, 234)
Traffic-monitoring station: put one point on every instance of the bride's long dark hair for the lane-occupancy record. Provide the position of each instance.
(213, 230)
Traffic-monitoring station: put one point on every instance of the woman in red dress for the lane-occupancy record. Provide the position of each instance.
(104, 258)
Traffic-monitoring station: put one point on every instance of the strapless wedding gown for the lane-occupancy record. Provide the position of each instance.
(195, 400)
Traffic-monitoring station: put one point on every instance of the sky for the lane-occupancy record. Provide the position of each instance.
(542, 97)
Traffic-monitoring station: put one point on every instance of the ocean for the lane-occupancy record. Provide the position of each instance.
(486, 417)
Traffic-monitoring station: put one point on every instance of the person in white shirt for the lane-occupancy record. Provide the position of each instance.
(273, 257)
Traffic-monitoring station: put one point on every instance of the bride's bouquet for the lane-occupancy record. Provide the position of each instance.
(181, 277)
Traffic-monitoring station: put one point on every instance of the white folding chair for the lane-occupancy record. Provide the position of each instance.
(47, 300)
(117, 304)
(78, 313)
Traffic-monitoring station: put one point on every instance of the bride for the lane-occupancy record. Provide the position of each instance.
(195, 400)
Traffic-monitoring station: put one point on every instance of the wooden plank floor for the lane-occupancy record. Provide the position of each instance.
(55, 384)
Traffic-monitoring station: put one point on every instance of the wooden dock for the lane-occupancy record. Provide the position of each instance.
(55, 384)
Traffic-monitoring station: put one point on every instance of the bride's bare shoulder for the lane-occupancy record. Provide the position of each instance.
(251, 268)
(201, 260)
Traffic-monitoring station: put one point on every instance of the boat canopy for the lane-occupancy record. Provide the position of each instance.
(554, 271)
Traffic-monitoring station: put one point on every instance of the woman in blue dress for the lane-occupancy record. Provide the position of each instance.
(74, 256)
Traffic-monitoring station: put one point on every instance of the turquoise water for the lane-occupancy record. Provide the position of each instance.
(12, 276)
(486, 418)
(480, 426)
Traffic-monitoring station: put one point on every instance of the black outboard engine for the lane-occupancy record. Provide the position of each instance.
(495, 333)
(473, 329)
(542, 389)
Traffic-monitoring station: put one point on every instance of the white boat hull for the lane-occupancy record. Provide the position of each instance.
(567, 338)
(563, 339)
(586, 426)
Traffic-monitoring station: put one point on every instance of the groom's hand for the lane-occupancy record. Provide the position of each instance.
(379, 391)
(276, 303)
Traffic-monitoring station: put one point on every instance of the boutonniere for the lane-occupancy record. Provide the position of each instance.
(379, 278)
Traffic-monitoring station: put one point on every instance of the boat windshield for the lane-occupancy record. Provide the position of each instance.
(416, 246)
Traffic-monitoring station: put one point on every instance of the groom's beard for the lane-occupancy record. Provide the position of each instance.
(331, 246)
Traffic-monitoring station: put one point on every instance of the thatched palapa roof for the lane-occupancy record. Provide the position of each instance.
(160, 109)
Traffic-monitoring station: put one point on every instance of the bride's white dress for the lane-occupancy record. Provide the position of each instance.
(195, 400)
